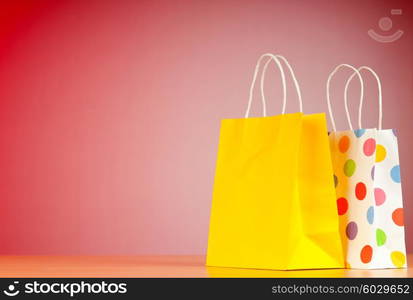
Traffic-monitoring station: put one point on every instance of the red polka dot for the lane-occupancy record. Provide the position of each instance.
(369, 147)
(398, 217)
(342, 206)
(366, 254)
(361, 191)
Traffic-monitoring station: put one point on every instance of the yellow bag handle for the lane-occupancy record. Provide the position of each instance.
(297, 87)
(274, 58)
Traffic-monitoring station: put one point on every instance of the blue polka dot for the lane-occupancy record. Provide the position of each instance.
(395, 174)
(372, 172)
(359, 132)
(370, 215)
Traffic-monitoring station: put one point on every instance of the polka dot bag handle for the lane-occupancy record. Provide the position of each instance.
(276, 59)
(345, 102)
(361, 100)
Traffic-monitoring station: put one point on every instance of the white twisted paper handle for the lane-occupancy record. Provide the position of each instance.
(276, 59)
(361, 100)
(345, 98)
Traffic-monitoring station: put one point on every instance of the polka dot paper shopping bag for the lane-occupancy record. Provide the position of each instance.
(368, 188)
(273, 203)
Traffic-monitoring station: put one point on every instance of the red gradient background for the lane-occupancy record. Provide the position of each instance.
(110, 110)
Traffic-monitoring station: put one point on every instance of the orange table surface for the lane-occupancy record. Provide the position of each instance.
(160, 266)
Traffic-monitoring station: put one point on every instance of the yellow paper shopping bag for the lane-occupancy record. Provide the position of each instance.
(274, 202)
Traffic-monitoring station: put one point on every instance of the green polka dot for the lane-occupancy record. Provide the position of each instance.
(349, 167)
(380, 237)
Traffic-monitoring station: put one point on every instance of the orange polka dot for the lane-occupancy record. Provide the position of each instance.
(366, 254)
(344, 144)
(398, 217)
